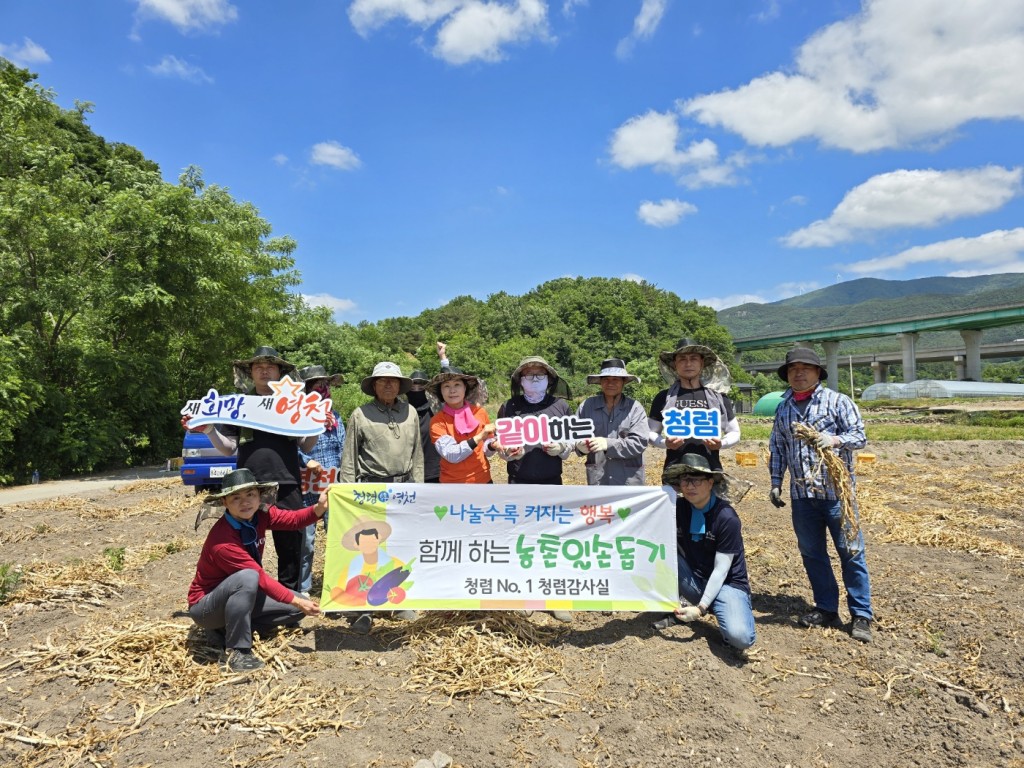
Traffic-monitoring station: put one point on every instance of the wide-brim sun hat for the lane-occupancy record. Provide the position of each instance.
(385, 370)
(613, 366)
(713, 375)
(313, 373)
(476, 388)
(235, 481)
(689, 464)
(801, 355)
(534, 360)
(419, 377)
(348, 540)
(243, 368)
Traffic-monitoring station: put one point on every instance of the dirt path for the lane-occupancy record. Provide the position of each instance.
(19, 494)
(124, 682)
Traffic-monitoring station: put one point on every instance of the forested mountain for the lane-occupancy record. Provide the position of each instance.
(125, 295)
(869, 300)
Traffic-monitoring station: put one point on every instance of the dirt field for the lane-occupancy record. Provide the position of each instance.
(99, 666)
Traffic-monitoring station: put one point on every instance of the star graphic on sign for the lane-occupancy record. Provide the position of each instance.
(287, 387)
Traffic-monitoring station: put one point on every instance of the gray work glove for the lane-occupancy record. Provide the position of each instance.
(775, 497)
(824, 442)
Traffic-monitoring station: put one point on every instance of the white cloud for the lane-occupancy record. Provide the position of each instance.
(911, 199)
(897, 73)
(1010, 266)
(633, 277)
(470, 30)
(777, 293)
(335, 155)
(172, 66)
(734, 300)
(280, 159)
(190, 15)
(770, 12)
(995, 251)
(25, 55)
(569, 7)
(666, 213)
(653, 138)
(644, 26)
(333, 303)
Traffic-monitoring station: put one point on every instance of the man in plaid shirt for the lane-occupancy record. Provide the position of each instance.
(816, 507)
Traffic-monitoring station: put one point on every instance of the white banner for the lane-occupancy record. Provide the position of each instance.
(498, 547)
(290, 410)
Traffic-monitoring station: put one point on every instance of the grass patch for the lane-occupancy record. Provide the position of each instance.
(10, 577)
(115, 558)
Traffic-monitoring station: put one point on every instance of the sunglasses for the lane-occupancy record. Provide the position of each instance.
(534, 376)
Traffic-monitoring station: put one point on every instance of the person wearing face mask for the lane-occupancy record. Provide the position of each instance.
(461, 431)
(326, 454)
(534, 383)
(417, 397)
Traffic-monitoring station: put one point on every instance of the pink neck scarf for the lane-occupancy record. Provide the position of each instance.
(465, 421)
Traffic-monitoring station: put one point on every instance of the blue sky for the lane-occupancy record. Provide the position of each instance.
(418, 150)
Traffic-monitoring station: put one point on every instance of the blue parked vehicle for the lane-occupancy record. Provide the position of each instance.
(202, 465)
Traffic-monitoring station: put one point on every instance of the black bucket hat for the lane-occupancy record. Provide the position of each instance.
(801, 355)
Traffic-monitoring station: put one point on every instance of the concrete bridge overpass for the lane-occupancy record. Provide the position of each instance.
(970, 324)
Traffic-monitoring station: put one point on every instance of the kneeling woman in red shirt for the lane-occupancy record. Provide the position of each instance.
(462, 432)
(231, 592)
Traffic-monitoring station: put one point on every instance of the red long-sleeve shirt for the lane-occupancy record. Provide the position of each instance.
(223, 553)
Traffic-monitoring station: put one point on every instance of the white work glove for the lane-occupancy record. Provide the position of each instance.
(553, 449)
(688, 613)
(583, 446)
(825, 442)
(598, 443)
(775, 497)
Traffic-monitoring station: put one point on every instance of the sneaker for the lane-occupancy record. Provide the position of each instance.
(819, 618)
(666, 621)
(406, 615)
(861, 629)
(243, 661)
(563, 616)
(361, 625)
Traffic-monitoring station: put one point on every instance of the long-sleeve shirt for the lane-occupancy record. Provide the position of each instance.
(382, 442)
(223, 553)
(827, 411)
(327, 452)
(627, 432)
(459, 462)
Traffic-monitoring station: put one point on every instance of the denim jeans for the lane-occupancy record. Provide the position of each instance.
(731, 607)
(306, 563)
(237, 604)
(811, 519)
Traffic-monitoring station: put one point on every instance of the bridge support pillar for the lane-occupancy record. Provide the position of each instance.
(909, 343)
(972, 361)
(881, 371)
(832, 363)
(961, 367)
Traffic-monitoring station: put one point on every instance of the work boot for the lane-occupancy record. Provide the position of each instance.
(361, 624)
(563, 616)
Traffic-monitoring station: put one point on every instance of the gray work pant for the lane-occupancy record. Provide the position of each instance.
(237, 605)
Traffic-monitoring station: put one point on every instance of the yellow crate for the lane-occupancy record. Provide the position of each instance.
(865, 458)
(746, 458)
(175, 463)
